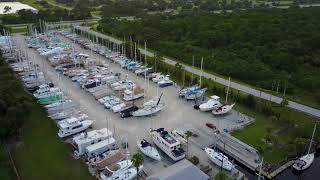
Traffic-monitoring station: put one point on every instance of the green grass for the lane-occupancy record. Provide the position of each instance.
(6, 170)
(19, 29)
(43, 156)
(255, 133)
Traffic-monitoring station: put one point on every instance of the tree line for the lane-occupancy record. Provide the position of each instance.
(47, 12)
(264, 48)
(15, 104)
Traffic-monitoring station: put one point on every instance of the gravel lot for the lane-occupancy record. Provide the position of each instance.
(178, 113)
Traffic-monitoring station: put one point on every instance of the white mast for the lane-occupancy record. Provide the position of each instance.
(314, 130)
(228, 90)
(192, 69)
(201, 71)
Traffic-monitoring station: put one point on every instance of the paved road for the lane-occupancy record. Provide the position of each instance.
(234, 85)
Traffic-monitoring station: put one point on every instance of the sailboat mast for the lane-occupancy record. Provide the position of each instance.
(145, 53)
(192, 69)
(314, 130)
(135, 51)
(228, 90)
(201, 71)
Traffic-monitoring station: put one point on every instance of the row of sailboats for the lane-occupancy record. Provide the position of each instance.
(213, 104)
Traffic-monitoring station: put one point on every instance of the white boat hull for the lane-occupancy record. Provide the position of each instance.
(304, 162)
(225, 164)
(223, 109)
(85, 125)
(149, 151)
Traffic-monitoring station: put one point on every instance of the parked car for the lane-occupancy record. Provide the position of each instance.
(211, 126)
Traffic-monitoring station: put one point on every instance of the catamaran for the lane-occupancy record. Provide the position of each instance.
(168, 144)
(305, 161)
(212, 103)
(147, 149)
(219, 159)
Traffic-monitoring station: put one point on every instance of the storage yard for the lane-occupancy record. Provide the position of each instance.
(177, 114)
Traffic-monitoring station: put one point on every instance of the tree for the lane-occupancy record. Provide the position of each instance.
(188, 134)
(221, 176)
(284, 102)
(137, 160)
(6, 9)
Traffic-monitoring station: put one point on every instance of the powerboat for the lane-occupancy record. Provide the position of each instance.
(180, 135)
(194, 94)
(165, 82)
(167, 143)
(72, 126)
(126, 174)
(130, 95)
(183, 91)
(113, 172)
(158, 78)
(121, 107)
(212, 103)
(223, 109)
(147, 149)
(219, 159)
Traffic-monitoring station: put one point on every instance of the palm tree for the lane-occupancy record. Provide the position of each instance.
(188, 134)
(137, 160)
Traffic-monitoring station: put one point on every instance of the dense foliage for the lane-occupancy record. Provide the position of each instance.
(13, 104)
(260, 47)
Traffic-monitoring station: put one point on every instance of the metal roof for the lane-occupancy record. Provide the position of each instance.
(182, 170)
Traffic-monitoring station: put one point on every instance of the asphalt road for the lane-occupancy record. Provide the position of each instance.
(234, 85)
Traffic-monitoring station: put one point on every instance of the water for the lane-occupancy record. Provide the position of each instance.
(312, 173)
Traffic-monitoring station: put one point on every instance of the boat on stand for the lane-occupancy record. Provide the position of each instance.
(167, 143)
(147, 149)
(149, 109)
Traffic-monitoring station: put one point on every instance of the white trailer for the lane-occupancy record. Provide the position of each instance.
(86, 139)
(101, 147)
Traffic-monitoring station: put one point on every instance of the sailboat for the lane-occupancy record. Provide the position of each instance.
(225, 108)
(219, 159)
(305, 161)
(147, 149)
(149, 109)
(211, 104)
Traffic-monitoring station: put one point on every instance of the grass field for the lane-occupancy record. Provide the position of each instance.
(42, 156)
(256, 132)
(6, 170)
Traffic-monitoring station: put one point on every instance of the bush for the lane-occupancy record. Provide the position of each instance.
(194, 160)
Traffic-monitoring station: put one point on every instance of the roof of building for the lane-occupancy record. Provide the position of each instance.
(182, 170)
